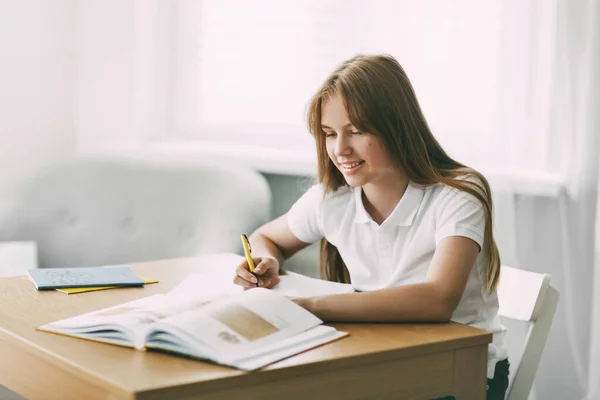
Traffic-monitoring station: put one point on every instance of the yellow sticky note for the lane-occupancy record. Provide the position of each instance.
(95, 288)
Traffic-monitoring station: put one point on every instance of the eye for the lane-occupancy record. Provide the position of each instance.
(330, 134)
(356, 133)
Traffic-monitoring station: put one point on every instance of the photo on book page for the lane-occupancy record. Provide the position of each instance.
(243, 321)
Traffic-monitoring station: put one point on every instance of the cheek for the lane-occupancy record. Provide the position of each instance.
(377, 154)
(330, 149)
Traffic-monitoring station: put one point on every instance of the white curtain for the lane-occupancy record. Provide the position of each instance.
(593, 154)
(555, 233)
(575, 106)
(594, 362)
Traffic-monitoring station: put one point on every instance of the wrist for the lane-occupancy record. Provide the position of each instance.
(311, 304)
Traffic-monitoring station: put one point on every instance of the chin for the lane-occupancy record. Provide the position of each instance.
(354, 181)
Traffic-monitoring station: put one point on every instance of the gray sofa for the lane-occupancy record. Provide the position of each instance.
(109, 210)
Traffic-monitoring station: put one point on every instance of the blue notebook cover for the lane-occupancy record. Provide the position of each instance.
(56, 278)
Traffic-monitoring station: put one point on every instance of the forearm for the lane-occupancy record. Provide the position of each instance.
(414, 302)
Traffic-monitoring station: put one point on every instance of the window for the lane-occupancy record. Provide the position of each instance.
(245, 71)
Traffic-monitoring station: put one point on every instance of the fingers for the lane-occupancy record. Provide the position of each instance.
(266, 264)
(243, 277)
(268, 283)
(238, 280)
(265, 273)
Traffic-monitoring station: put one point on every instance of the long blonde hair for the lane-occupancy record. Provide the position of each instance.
(380, 99)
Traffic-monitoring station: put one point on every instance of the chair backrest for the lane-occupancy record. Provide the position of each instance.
(529, 297)
(109, 210)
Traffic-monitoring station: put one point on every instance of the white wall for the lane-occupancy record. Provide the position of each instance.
(122, 61)
(36, 85)
(36, 89)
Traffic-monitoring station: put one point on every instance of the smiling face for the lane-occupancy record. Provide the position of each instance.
(360, 156)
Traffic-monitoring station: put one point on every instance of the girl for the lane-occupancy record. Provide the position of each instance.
(397, 217)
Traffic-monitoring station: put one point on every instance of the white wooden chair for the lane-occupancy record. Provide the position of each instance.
(529, 297)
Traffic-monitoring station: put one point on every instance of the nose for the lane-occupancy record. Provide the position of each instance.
(342, 146)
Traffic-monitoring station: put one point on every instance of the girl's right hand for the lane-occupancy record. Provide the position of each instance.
(266, 272)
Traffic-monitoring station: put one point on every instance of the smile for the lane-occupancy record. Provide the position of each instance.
(351, 167)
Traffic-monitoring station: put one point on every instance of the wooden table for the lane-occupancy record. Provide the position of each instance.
(395, 361)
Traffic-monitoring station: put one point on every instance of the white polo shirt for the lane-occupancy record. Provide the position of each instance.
(400, 250)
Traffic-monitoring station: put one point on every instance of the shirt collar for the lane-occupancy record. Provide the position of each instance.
(403, 214)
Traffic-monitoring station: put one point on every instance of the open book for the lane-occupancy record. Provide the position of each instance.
(245, 330)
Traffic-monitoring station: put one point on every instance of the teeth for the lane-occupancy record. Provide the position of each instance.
(350, 166)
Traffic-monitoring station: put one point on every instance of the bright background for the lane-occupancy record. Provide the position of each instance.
(510, 87)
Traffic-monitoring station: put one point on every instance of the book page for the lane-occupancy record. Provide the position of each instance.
(126, 323)
(208, 284)
(235, 326)
(212, 283)
(288, 347)
(297, 285)
(121, 324)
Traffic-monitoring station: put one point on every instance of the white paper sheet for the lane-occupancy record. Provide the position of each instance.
(291, 285)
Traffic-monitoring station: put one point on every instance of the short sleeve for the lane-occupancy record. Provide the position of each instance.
(460, 214)
(304, 217)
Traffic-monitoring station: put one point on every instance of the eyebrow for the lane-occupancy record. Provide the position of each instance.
(349, 124)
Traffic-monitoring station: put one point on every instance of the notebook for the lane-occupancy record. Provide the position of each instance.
(77, 290)
(245, 330)
(57, 278)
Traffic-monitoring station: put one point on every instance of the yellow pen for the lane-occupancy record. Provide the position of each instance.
(248, 252)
